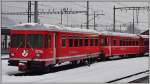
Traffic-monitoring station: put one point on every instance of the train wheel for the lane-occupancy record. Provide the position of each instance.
(103, 58)
(73, 62)
(88, 61)
(49, 68)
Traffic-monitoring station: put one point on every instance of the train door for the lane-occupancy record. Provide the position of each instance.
(48, 48)
(54, 47)
(104, 42)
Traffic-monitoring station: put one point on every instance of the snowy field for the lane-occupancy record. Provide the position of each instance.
(96, 73)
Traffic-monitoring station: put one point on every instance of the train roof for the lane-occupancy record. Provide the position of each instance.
(49, 27)
(119, 34)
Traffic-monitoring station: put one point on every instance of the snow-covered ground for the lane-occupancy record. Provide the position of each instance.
(97, 72)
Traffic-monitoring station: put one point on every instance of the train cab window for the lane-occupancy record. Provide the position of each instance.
(86, 41)
(47, 41)
(75, 41)
(63, 41)
(96, 41)
(80, 41)
(91, 41)
(34, 41)
(70, 41)
(18, 41)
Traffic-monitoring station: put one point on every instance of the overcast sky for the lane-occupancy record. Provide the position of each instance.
(122, 17)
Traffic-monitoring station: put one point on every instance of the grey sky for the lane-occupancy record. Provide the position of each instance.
(107, 8)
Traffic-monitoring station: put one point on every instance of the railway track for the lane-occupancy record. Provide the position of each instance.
(118, 79)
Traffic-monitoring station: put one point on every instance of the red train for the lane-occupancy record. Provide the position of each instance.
(36, 46)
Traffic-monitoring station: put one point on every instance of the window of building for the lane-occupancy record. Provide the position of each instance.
(63, 41)
(70, 41)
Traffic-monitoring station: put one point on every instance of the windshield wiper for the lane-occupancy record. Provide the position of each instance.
(19, 45)
(30, 45)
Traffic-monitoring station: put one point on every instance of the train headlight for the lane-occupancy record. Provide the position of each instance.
(12, 54)
(38, 55)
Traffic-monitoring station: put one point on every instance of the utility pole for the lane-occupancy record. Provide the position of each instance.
(114, 23)
(87, 25)
(81, 26)
(133, 21)
(36, 12)
(94, 20)
(29, 11)
(61, 14)
(129, 8)
(120, 28)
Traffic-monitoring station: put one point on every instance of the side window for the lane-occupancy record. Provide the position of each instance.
(102, 41)
(75, 41)
(81, 42)
(70, 41)
(96, 41)
(133, 43)
(123, 43)
(136, 42)
(105, 43)
(47, 41)
(120, 42)
(63, 41)
(91, 41)
(129, 43)
(114, 42)
(86, 41)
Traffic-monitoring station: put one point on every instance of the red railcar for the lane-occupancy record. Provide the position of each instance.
(122, 44)
(145, 43)
(36, 45)
(39, 46)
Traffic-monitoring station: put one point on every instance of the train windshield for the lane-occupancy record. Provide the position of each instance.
(34, 41)
(18, 41)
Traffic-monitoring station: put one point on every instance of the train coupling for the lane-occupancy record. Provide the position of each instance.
(22, 66)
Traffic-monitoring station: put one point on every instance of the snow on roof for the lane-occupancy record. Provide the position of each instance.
(144, 36)
(119, 34)
(49, 27)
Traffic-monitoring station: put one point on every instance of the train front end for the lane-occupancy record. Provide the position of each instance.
(30, 49)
